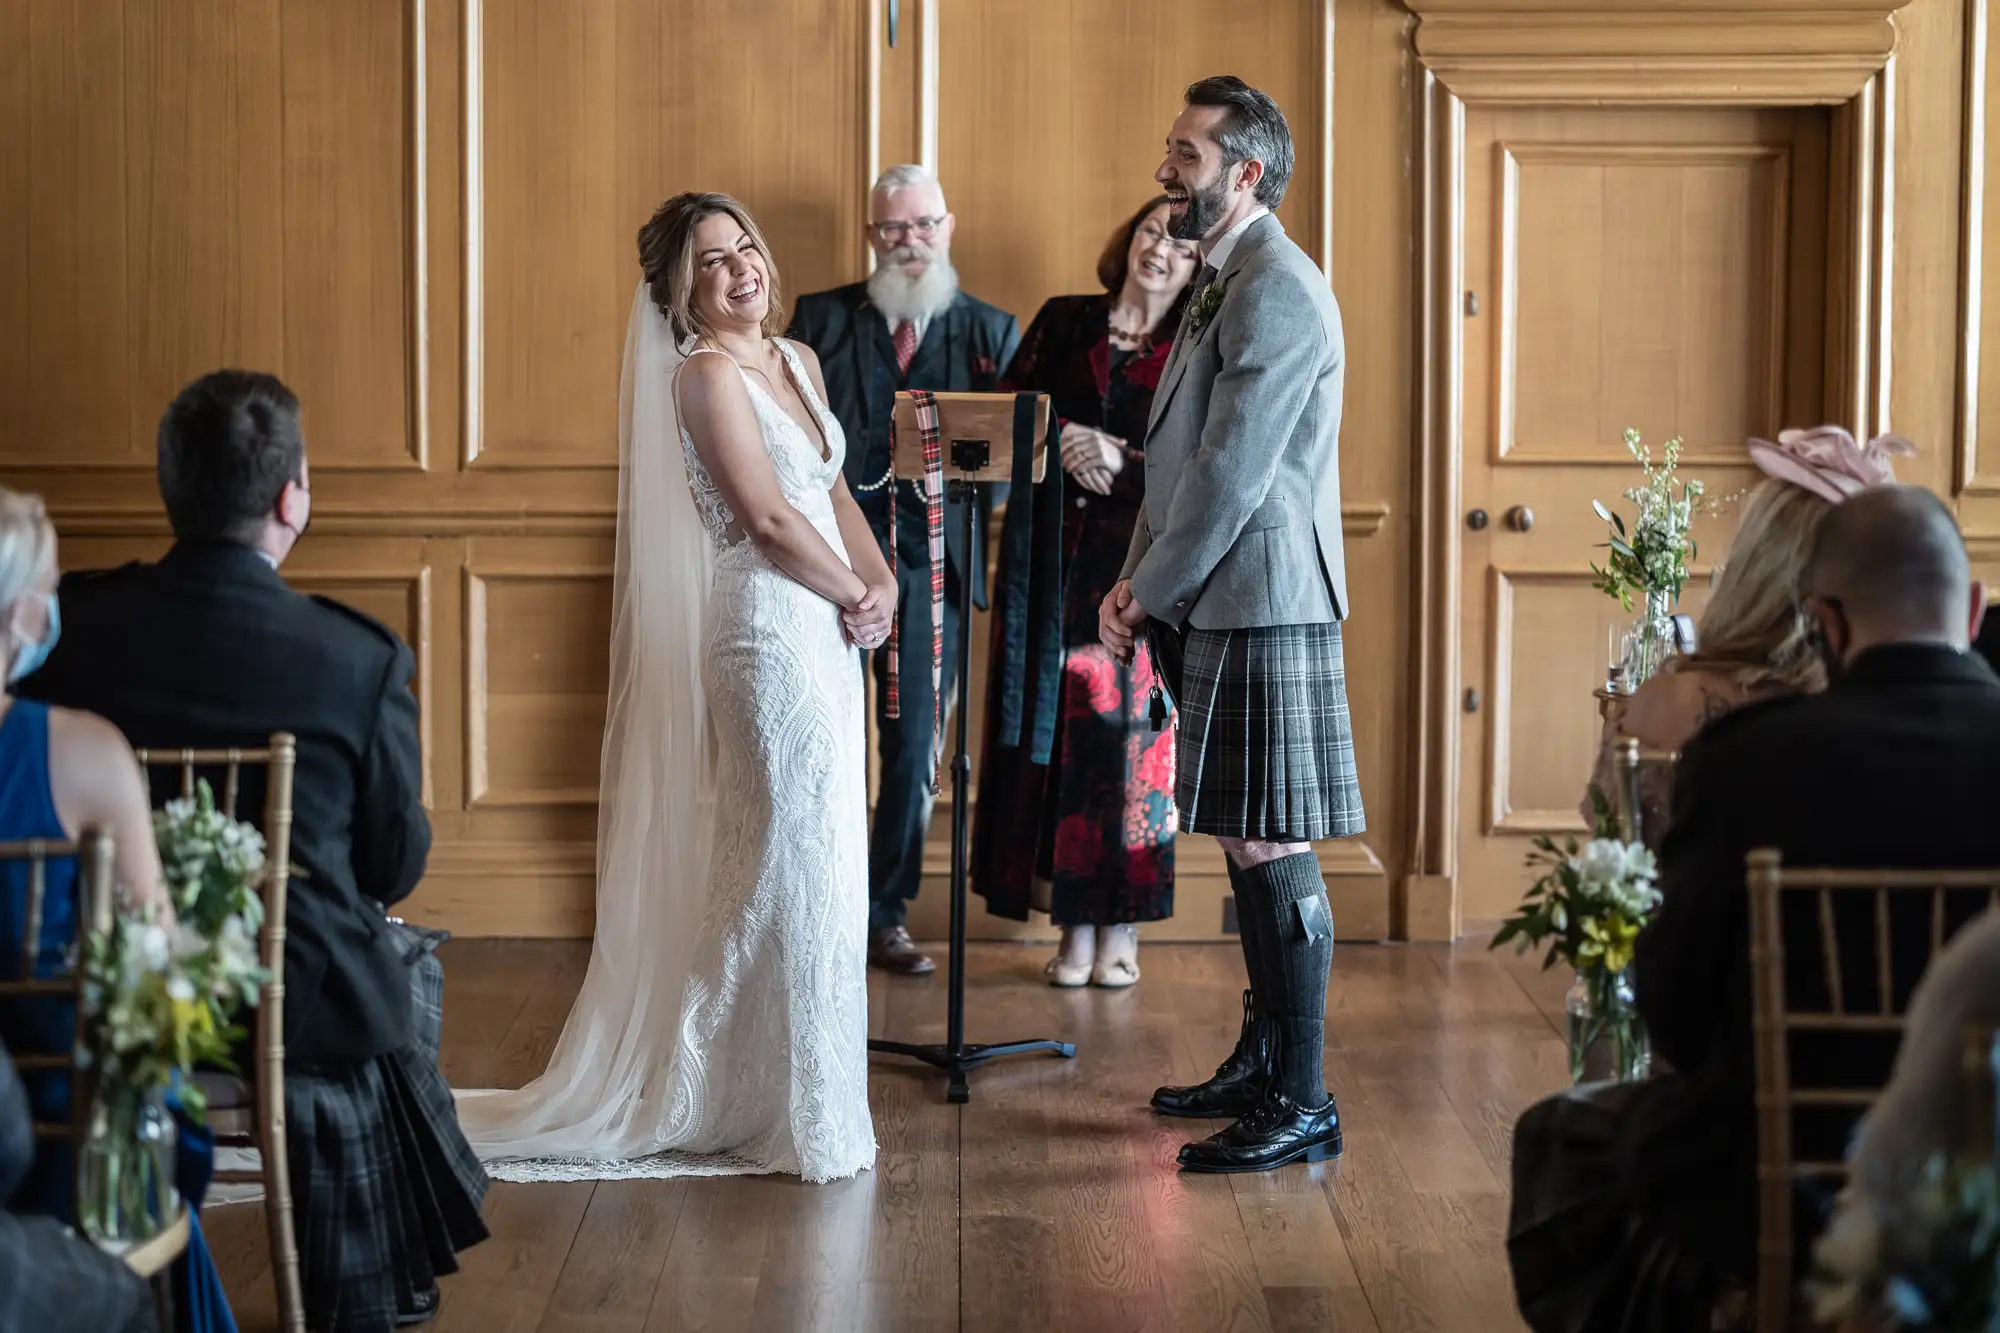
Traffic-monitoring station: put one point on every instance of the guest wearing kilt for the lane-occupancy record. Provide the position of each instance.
(1087, 835)
(1237, 579)
(211, 648)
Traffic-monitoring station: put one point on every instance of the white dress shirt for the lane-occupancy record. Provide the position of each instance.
(922, 325)
(1218, 255)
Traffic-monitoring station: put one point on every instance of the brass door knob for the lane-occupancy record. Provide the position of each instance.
(1476, 520)
(1520, 518)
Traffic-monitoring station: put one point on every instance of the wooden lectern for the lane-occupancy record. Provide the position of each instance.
(980, 436)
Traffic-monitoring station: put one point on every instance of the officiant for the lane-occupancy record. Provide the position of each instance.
(907, 327)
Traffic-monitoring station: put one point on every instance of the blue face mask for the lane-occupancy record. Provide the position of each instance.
(31, 657)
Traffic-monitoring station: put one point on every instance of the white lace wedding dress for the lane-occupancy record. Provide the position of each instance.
(722, 1028)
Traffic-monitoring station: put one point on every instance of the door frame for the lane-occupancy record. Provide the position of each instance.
(1476, 53)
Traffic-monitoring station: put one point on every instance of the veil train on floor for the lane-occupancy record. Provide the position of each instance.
(599, 1101)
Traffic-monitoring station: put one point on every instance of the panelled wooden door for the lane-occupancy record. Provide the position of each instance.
(1658, 269)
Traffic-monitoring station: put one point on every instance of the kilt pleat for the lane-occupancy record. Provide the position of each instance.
(1265, 742)
(385, 1188)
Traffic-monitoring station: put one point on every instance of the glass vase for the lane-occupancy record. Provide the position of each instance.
(1650, 640)
(1607, 1040)
(125, 1180)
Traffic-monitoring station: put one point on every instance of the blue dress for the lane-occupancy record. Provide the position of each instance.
(28, 810)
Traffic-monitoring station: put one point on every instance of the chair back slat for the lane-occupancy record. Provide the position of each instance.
(1829, 955)
(1780, 1015)
(31, 913)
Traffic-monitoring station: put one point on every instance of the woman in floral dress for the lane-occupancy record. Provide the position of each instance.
(1088, 836)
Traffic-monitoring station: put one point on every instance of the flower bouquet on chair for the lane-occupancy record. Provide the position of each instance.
(1933, 1267)
(157, 1002)
(1588, 907)
(1648, 564)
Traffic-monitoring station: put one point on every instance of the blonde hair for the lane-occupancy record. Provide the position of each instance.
(666, 257)
(1752, 631)
(27, 546)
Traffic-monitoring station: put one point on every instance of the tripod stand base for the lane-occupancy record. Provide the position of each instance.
(969, 1058)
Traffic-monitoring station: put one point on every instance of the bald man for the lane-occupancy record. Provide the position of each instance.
(1644, 1196)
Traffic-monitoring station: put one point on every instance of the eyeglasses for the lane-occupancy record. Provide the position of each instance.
(894, 232)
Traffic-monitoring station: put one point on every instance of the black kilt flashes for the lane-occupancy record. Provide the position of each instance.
(1265, 748)
(385, 1189)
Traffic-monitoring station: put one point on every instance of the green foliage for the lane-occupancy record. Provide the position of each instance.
(1654, 554)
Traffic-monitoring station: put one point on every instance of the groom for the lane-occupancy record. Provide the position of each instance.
(1237, 577)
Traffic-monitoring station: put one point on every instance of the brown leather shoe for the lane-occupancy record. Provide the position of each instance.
(892, 950)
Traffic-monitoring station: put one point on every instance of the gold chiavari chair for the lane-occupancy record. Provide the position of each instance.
(1629, 762)
(95, 857)
(260, 1101)
(1778, 1017)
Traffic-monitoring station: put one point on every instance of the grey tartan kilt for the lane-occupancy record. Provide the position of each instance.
(385, 1189)
(1264, 747)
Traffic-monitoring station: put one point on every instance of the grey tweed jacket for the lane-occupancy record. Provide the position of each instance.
(1241, 523)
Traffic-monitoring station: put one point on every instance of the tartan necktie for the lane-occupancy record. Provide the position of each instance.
(906, 346)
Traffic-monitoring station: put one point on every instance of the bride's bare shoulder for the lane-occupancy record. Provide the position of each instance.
(810, 360)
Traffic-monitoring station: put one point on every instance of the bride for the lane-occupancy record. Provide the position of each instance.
(722, 1026)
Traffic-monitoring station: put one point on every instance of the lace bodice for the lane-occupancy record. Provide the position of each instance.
(804, 475)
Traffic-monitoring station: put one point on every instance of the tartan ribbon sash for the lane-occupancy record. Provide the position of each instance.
(930, 434)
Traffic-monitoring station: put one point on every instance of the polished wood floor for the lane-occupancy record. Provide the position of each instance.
(1051, 1201)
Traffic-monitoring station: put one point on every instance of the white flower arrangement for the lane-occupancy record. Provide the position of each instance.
(1591, 902)
(163, 1000)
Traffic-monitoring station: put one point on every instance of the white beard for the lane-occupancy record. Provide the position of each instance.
(926, 296)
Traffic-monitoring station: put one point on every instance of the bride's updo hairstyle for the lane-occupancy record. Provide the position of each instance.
(666, 257)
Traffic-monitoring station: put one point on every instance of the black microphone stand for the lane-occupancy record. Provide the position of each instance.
(955, 1057)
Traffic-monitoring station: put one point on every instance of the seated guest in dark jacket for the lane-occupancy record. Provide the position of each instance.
(51, 1279)
(1635, 1205)
(210, 647)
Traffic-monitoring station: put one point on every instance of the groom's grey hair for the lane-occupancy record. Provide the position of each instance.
(1252, 127)
(904, 177)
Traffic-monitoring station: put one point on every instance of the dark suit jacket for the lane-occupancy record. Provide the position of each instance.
(51, 1279)
(1897, 764)
(965, 350)
(210, 648)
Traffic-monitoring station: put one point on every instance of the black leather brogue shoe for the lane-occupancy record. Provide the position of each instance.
(1277, 1133)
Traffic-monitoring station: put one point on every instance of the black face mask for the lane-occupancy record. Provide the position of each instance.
(299, 533)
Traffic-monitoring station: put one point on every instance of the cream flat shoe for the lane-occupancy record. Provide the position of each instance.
(1073, 964)
(1117, 964)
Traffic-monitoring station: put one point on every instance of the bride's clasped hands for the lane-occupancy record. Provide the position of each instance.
(867, 619)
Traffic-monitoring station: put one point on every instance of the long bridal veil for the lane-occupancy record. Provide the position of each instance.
(601, 1098)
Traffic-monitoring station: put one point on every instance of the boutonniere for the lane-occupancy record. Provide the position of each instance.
(1202, 309)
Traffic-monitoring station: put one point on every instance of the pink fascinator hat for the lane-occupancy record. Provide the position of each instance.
(1826, 461)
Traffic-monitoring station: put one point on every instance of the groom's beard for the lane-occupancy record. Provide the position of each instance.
(902, 297)
(1205, 208)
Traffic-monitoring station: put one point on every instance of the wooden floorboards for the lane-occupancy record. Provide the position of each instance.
(1052, 1200)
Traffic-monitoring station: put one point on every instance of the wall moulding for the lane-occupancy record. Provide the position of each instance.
(1762, 52)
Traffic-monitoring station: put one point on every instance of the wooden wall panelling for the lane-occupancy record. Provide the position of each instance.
(235, 190)
(1484, 56)
(588, 116)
